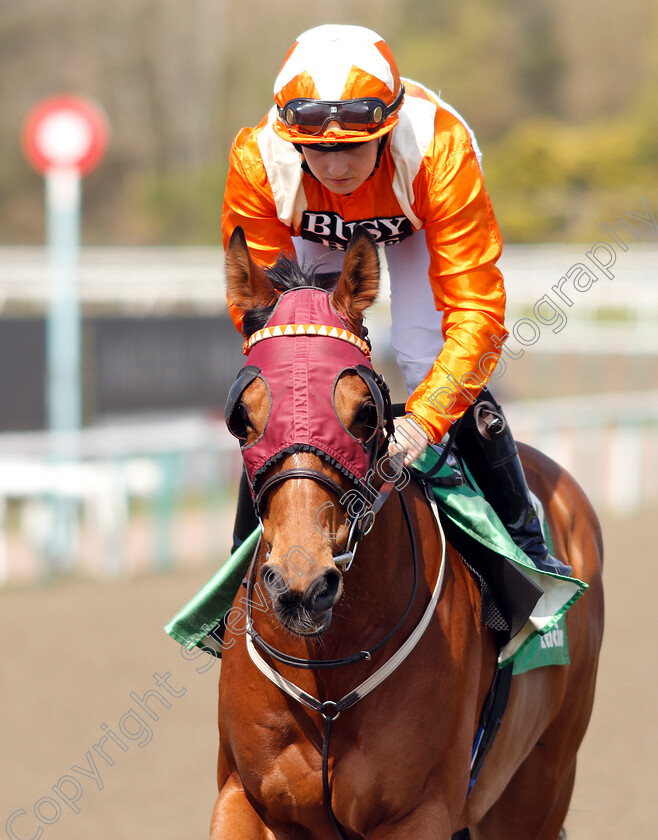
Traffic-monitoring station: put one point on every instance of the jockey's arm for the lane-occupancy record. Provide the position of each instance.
(464, 243)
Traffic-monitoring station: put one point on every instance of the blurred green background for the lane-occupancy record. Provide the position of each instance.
(562, 97)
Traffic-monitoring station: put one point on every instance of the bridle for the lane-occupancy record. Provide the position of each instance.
(359, 522)
(358, 525)
(361, 655)
(331, 709)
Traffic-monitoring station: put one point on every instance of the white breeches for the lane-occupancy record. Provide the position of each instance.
(416, 334)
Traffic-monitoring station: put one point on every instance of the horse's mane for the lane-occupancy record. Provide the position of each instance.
(287, 274)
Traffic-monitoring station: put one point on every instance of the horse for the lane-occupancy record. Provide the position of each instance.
(313, 763)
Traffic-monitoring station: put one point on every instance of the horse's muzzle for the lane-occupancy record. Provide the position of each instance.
(307, 612)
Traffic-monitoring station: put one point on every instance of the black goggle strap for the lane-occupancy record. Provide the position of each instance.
(244, 378)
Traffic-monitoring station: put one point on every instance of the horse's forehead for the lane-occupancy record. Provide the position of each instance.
(306, 360)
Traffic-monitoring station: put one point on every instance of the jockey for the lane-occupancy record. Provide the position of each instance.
(347, 143)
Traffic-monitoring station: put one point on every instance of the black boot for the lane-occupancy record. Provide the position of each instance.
(246, 520)
(486, 444)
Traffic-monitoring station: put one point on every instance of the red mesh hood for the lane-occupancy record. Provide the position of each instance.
(301, 373)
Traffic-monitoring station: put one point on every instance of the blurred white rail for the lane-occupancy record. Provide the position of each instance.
(161, 462)
(159, 280)
(139, 280)
(608, 442)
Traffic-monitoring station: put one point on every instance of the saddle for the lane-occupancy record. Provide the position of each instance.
(508, 594)
(519, 602)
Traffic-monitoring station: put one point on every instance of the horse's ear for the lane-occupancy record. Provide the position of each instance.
(247, 285)
(358, 283)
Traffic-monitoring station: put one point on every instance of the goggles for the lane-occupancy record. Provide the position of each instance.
(311, 116)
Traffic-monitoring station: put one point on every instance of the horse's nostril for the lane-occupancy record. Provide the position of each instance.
(273, 581)
(323, 593)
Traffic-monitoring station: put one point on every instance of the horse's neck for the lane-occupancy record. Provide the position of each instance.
(379, 584)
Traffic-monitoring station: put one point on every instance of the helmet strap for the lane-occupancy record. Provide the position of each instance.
(383, 142)
(305, 166)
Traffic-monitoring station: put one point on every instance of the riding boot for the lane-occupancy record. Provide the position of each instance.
(486, 444)
(246, 520)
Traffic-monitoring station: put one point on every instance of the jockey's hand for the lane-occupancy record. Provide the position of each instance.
(410, 439)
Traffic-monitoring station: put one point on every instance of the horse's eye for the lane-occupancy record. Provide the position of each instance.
(366, 420)
(240, 422)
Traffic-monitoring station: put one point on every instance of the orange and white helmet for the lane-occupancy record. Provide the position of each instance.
(338, 84)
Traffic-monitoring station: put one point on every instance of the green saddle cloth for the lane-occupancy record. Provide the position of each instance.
(542, 640)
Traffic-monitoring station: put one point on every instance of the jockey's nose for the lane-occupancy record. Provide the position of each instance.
(337, 165)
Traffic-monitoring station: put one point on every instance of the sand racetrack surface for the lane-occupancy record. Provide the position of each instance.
(80, 656)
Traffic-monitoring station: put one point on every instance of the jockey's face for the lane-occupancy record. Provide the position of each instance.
(344, 171)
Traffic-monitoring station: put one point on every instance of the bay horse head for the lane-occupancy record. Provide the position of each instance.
(311, 416)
